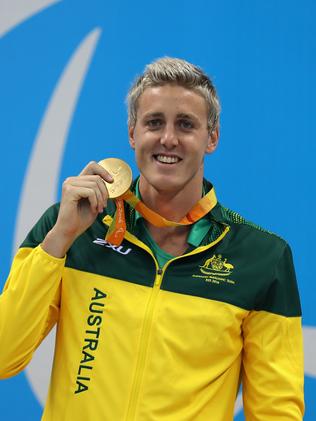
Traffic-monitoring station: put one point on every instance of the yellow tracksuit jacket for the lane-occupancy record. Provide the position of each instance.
(136, 342)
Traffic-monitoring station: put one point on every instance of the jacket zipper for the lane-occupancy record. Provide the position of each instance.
(144, 341)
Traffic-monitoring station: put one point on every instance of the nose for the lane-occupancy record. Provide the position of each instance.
(169, 136)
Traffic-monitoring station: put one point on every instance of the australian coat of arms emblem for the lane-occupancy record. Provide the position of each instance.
(217, 265)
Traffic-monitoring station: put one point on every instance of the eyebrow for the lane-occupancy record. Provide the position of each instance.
(160, 114)
(154, 115)
(185, 115)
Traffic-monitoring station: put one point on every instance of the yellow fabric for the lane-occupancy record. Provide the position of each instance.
(29, 307)
(176, 359)
(273, 363)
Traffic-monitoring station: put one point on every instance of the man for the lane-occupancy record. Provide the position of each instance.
(165, 325)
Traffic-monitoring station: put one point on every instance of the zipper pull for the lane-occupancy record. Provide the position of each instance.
(158, 277)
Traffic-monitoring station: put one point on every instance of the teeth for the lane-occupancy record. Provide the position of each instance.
(167, 159)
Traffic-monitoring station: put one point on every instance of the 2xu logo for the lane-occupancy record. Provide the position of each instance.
(118, 249)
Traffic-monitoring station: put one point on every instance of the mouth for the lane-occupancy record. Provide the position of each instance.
(167, 159)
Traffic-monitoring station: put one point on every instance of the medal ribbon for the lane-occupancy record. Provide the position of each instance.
(117, 228)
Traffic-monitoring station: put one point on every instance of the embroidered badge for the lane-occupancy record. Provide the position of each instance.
(216, 270)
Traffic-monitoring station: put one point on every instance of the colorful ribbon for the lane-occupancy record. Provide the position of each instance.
(117, 228)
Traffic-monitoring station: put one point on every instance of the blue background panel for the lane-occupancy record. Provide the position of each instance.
(261, 56)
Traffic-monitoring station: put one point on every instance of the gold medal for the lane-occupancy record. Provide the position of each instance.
(122, 176)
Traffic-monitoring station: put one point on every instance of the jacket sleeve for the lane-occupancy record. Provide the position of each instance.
(273, 374)
(29, 303)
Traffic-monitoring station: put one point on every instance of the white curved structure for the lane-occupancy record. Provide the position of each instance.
(310, 350)
(14, 12)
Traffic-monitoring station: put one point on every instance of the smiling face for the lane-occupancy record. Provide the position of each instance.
(170, 139)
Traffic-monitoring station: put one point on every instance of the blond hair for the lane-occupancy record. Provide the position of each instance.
(169, 70)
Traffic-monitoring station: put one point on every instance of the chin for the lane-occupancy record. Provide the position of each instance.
(166, 184)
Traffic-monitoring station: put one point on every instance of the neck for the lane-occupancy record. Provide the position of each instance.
(172, 205)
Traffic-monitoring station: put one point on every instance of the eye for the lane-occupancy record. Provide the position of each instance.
(154, 123)
(185, 124)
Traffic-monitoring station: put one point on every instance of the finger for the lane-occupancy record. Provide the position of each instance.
(82, 192)
(103, 190)
(94, 200)
(94, 182)
(93, 168)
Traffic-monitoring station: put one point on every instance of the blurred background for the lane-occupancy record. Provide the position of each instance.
(65, 68)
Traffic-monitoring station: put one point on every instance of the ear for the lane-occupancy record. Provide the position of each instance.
(131, 136)
(212, 140)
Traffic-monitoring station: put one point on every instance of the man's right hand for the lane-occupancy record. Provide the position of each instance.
(83, 198)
